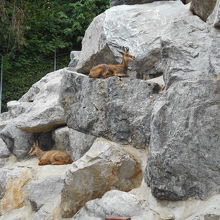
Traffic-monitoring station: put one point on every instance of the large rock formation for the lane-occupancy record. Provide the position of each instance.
(138, 27)
(127, 205)
(214, 18)
(39, 110)
(169, 125)
(185, 129)
(104, 167)
(98, 107)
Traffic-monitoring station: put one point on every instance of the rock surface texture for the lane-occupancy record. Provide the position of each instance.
(127, 205)
(202, 8)
(98, 107)
(147, 146)
(141, 27)
(185, 129)
(39, 109)
(104, 167)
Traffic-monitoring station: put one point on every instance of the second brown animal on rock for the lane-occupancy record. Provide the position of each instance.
(107, 70)
(54, 157)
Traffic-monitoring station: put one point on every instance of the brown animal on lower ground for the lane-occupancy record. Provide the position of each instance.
(107, 70)
(54, 157)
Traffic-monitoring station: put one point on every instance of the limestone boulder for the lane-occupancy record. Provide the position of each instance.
(105, 166)
(189, 51)
(80, 143)
(72, 141)
(184, 150)
(44, 191)
(202, 8)
(74, 59)
(114, 108)
(214, 18)
(39, 110)
(138, 27)
(61, 140)
(18, 142)
(113, 203)
(12, 192)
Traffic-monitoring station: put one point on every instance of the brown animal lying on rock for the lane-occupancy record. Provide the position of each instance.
(54, 157)
(107, 70)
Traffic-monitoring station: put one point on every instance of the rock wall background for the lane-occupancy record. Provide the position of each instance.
(149, 149)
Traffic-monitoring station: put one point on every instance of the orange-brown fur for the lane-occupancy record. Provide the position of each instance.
(107, 70)
(54, 157)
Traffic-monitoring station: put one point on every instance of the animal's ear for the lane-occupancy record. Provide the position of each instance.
(121, 52)
(31, 150)
(126, 49)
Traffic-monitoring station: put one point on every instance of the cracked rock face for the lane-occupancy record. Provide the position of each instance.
(138, 27)
(184, 147)
(104, 167)
(39, 110)
(214, 18)
(114, 108)
(203, 8)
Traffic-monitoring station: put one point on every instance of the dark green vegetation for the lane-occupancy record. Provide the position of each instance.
(30, 32)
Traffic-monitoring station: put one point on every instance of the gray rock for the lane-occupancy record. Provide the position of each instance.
(18, 142)
(214, 18)
(104, 167)
(202, 8)
(189, 51)
(3, 179)
(114, 108)
(184, 147)
(39, 109)
(141, 27)
(12, 190)
(4, 152)
(132, 2)
(61, 139)
(113, 203)
(49, 211)
(72, 141)
(44, 191)
(211, 217)
(74, 59)
(185, 128)
(80, 143)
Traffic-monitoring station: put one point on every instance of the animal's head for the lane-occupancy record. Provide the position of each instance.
(34, 150)
(126, 54)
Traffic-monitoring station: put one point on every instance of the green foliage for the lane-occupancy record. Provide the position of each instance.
(41, 27)
(11, 25)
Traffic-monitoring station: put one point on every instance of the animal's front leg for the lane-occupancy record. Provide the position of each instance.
(121, 74)
(43, 162)
(58, 162)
